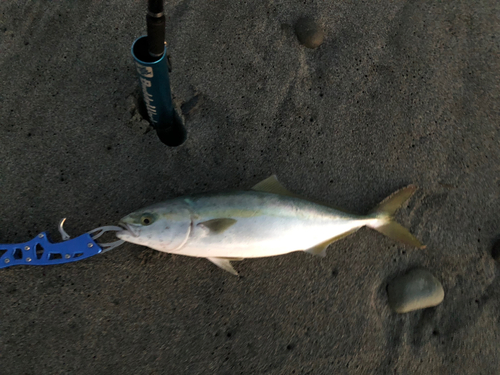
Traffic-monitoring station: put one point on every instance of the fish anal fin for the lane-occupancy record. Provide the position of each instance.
(320, 249)
(217, 226)
(272, 185)
(225, 264)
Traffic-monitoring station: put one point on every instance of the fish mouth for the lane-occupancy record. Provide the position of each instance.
(128, 228)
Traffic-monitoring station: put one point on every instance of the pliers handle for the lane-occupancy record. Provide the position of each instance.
(40, 251)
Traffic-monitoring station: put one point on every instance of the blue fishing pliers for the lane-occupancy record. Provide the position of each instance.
(40, 251)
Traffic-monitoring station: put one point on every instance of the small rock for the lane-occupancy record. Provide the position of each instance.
(416, 290)
(309, 32)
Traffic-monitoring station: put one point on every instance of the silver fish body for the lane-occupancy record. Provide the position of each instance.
(267, 221)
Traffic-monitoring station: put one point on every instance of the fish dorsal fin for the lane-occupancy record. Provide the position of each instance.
(217, 226)
(320, 249)
(225, 264)
(272, 185)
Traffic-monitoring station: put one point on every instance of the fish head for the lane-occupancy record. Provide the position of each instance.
(163, 227)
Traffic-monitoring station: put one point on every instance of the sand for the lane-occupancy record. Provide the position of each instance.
(399, 92)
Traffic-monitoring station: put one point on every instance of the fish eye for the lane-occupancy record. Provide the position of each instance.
(147, 219)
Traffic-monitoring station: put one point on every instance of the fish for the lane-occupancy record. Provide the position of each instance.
(266, 220)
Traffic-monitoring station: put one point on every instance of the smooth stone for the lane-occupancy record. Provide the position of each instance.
(418, 289)
(309, 33)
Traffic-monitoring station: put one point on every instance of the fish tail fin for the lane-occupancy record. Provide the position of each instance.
(384, 222)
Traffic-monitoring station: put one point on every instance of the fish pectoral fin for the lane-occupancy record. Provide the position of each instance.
(217, 226)
(225, 264)
(272, 185)
(320, 249)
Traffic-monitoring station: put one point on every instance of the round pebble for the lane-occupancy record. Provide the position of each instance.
(309, 32)
(418, 289)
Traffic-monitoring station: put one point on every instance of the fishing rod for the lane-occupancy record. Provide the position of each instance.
(153, 66)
